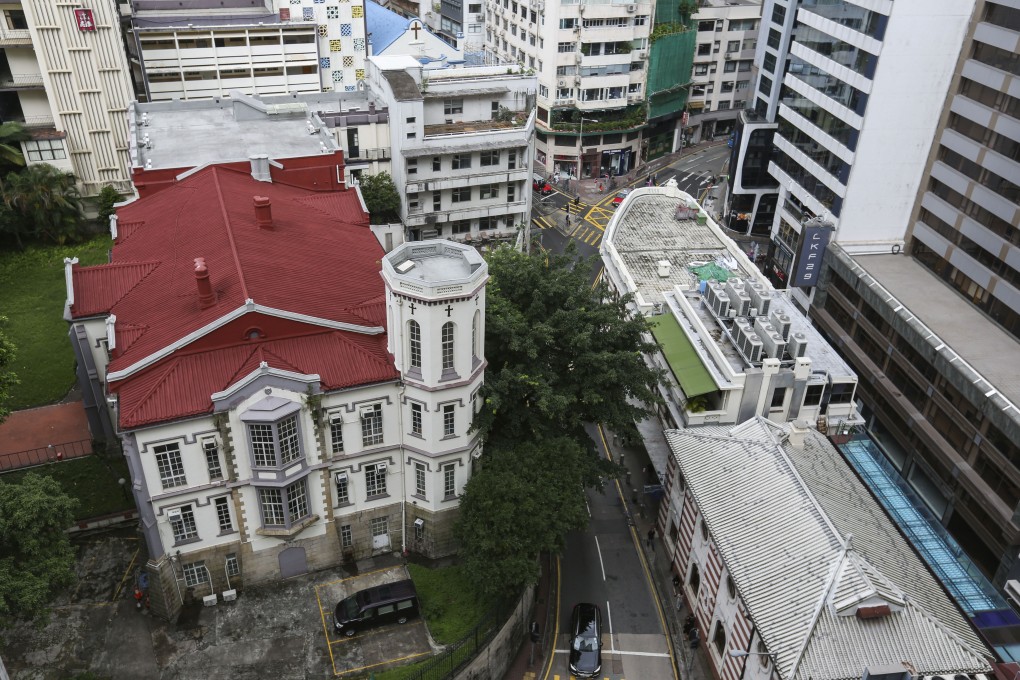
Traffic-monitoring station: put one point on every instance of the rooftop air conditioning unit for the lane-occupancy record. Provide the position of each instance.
(751, 347)
(741, 302)
(721, 304)
(781, 321)
(797, 346)
(775, 346)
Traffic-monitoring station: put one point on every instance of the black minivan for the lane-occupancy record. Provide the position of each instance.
(374, 606)
(586, 640)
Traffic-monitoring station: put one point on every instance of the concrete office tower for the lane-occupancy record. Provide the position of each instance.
(854, 89)
(64, 76)
(723, 61)
(600, 77)
(933, 331)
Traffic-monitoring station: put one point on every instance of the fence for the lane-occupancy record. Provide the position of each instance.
(45, 454)
(460, 653)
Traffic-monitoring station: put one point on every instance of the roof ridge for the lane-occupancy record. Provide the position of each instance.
(230, 232)
(834, 572)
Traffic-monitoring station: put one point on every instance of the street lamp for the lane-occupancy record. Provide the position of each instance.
(580, 146)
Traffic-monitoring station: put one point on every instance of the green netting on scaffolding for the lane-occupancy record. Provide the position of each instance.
(707, 272)
(670, 61)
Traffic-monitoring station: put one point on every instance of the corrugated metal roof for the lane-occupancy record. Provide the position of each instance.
(319, 260)
(783, 529)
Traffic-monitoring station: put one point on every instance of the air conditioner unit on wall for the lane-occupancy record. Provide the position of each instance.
(561, 82)
(631, 8)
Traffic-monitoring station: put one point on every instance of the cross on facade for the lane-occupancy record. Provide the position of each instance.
(415, 27)
(412, 308)
(449, 310)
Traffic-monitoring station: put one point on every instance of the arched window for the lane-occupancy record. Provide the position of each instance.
(414, 344)
(731, 587)
(474, 336)
(448, 346)
(694, 581)
(704, 530)
(719, 639)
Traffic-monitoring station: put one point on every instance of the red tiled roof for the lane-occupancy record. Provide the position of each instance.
(97, 289)
(187, 380)
(320, 260)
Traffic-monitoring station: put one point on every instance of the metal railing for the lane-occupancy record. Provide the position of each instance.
(46, 454)
(455, 656)
(21, 80)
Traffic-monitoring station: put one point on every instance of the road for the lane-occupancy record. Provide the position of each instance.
(604, 565)
(585, 222)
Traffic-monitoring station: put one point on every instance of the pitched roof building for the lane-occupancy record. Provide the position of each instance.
(259, 356)
(782, 551)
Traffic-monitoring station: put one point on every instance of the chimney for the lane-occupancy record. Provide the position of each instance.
(260, 167)
(263, 213)
(206, 296)
(798, 431)
(371, 107)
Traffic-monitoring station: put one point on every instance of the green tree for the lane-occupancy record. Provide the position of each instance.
(8, 379)
(36, 556)
(11, 136)
(561, 352)
(520, 503)
(381, 198)
(104, 204)
(46, 199)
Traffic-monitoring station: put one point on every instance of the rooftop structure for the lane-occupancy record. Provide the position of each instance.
(735, 346)
(390, 33)
(833, 589)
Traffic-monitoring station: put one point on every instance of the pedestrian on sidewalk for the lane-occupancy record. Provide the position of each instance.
(651, 539)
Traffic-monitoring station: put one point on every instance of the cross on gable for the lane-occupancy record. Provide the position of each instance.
(415, 27)
(411, 306)
(449, 310)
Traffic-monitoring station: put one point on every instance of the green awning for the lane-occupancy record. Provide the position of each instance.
(681, 356)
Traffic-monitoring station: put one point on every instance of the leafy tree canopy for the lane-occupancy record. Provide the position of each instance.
(45, 203)
(36, 556)
(561, 352)
(104, 204)
(381, 198)
(522, 502)
(8, 379)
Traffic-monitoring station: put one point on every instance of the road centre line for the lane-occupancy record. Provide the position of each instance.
(598, 548)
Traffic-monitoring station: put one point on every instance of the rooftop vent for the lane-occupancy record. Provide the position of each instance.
(206, 296)
(876, 612)
(664, 268)
(405, 266)
(263, 212)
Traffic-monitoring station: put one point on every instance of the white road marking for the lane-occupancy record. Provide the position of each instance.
(601, 564)
(609, 615)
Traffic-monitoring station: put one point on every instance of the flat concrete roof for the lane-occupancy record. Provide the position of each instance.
(194, 133)
(991, 351)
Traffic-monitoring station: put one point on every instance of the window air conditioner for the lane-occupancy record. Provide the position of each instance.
(336, 417)
(341, 478)
(381, 467)
(175, 513)
(366, 411)
(419, 523)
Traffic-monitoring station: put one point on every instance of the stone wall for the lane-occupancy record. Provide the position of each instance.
(494, 660)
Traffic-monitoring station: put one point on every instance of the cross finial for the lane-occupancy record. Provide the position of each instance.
(415, 27)
(411, 307)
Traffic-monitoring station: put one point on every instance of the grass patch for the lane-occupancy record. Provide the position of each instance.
(451, 608)
(92, 480)
(32, 282)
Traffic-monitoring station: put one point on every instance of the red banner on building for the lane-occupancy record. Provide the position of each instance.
(85, 20)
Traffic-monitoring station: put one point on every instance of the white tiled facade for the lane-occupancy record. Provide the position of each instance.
(69, 84)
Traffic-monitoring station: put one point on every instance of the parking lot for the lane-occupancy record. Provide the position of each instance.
(281, 631)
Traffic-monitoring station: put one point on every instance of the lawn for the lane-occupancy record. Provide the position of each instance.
(450, 608)
(92, 480)
(32, 295)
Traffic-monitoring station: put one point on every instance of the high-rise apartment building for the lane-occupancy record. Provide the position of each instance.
(610, 95)
(853, 96)
(64, 76)
(932, 330)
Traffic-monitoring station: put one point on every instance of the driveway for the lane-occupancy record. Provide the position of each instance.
(272, 632)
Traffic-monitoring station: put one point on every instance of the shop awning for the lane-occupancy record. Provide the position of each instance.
(681, 356)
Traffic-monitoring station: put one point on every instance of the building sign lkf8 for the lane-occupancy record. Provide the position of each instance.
(814, 240)
(84, 19)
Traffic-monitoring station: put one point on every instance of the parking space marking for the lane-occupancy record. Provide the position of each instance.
(127, 573)
(381, 663)
(330, 642)
(366, 635)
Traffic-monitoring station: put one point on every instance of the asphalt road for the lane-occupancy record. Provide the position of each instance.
(588, 219)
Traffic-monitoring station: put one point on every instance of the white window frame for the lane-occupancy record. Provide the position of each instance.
(375, 480)
(170, 465)
(184, 527)
(226, 522)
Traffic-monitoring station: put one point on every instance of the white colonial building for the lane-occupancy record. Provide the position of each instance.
(282, 406)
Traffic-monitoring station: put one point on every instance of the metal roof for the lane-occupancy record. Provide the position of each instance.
(806, 545)
(310, 286)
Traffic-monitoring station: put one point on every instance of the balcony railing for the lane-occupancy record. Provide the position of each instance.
(21, 81)
(14, 36)
(361, 154)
